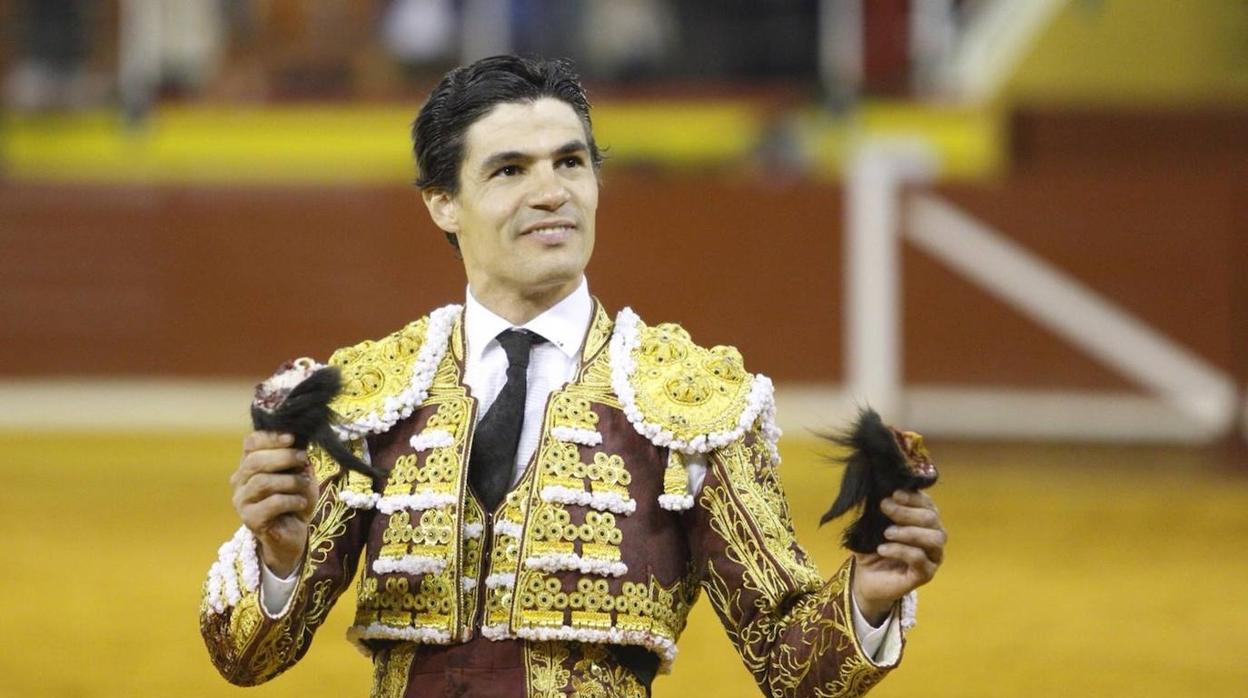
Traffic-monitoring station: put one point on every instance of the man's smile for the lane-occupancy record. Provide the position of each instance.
(550, 232)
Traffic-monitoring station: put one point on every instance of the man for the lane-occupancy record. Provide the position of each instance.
(560, 484)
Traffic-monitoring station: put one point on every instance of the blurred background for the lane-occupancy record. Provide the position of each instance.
(1018, 226)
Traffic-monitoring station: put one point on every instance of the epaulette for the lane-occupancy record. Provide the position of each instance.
(685, 397)
(384, 380)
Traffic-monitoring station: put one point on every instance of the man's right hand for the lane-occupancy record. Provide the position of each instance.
(275, 493)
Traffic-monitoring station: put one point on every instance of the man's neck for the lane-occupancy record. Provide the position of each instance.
(520, 308)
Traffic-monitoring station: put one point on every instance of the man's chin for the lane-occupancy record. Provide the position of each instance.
(556, 279)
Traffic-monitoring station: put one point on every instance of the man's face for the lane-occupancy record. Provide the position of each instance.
(527, 200)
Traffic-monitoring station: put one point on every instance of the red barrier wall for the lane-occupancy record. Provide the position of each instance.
(212, 281)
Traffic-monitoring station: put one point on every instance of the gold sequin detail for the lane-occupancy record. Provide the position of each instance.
(571, 410)
(396, 601)
(432, 536)
(430, 600)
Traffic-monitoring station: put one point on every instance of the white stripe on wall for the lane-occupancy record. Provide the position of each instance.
(803, 410)
(1069, 308)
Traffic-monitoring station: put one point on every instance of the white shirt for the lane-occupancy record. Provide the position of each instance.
(551, 364)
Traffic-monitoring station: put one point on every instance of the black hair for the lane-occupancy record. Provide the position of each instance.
(468, 93)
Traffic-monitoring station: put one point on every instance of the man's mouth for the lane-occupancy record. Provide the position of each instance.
(550, 232)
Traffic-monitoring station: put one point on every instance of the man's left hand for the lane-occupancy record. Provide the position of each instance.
(908, 559)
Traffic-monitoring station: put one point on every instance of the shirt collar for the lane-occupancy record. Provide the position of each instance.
(564, 324)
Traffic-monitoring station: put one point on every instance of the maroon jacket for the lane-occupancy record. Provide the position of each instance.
(582, 580)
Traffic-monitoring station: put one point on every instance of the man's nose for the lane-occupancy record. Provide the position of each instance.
(549, 192)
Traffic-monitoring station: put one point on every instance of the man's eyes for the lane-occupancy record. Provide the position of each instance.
(513, 170)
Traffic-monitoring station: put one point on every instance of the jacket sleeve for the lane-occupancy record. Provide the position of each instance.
(246, 644)
(793, 630)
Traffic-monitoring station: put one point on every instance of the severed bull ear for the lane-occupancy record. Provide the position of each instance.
(881, 461)
(296, 401)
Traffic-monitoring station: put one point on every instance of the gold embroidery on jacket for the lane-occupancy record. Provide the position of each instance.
(391, 669)
(372, 370)
(276, 649)
(599, 332)
(329, 526)
(571, 410)
(396, 601)
(764, 587)
(594, 381)
(823, 620)
(597, 675)
(368, 602)
(278, 644)
(554, 528)
(326, 468)
(688, 389)
(505, 553)
(608, 474)
(544, 669)
(758, 537)
(560, 465)
(429, 600)
(473, 548)
(642, 606)
(322, 599)
(323, 465)
(439, 474)
(455, 414)
(758, 490)
(553, 531)
(244, 621)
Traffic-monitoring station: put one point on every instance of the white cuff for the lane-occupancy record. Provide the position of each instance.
(276, 592)
(869, 636)
(882, 645)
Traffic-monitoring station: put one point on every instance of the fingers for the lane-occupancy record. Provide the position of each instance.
(267, 496)
(902, 512)
(268, 460)
(915, 498)
(930, 540)
(914, 558)
(311, 493)
(263, 485)
(260, 515)
(258, 440)
(275, 460)
(917, 537)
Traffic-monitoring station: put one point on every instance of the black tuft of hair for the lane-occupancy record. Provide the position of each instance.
(874, 469)
(305, 415)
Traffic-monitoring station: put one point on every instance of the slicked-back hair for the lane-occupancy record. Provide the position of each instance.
(468, 93)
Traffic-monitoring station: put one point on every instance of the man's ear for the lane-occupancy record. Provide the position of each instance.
(443, 209)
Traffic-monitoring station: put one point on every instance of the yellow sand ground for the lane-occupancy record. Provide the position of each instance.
(1071, 571)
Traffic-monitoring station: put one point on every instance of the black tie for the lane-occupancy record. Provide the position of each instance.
(493, 459)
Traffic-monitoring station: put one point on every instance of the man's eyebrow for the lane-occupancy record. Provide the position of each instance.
(570, 147)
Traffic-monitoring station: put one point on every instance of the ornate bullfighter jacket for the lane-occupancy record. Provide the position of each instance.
(599, 546)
